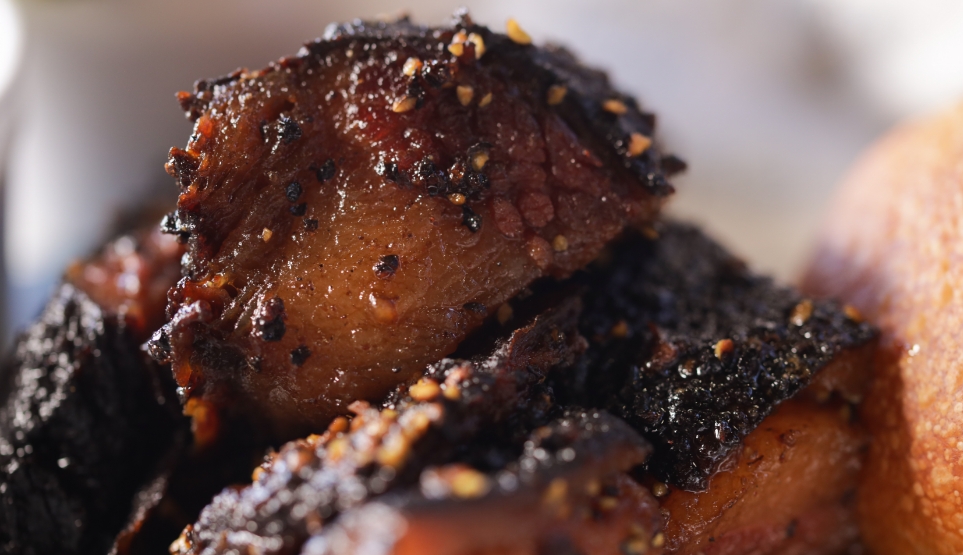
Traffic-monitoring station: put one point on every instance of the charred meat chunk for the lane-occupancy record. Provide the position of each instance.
(376, 197)
(476, 416)
(86, 416)
(695, 351)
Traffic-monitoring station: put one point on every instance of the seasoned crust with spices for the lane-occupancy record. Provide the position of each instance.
(353, 212)
(477, 438)
(694, 350)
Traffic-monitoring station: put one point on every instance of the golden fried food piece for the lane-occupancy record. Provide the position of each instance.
(354, 212)
(893, 247)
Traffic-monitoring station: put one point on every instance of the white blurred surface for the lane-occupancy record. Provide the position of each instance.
(767, 101)
(10, 52)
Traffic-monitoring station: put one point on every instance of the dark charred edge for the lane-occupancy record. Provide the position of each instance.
(85, 418)
(655, 315)
(577, 448)
(500, 399)
(583, 106)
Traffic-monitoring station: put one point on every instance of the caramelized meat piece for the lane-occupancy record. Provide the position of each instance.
(695, 351)
(475, 415)
(86, 416)
(354, 212)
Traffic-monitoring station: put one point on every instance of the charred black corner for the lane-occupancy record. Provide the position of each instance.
(299, 355)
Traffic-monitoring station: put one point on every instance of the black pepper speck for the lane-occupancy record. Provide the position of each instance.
(300, 355)
(293, 191)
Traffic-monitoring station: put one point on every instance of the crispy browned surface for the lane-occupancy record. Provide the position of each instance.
(791, 488)
(331, 254)
(694, 350)
(893, 246)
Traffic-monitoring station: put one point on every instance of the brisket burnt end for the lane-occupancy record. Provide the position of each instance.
(85, 419)
(694, 350)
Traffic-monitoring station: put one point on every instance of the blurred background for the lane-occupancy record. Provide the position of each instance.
(769, 102)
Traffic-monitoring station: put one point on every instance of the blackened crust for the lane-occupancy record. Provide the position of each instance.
(536, 69)
(658, 315)
(85, 418)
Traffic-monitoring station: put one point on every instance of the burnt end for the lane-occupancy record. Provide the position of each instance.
(488, 152)
(85, 419)
(694, 350)
(492, 404)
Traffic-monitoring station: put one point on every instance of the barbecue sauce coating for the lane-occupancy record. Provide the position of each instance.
(353, 212)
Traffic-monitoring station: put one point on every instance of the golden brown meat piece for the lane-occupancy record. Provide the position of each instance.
(892, 247)
(355, 211)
